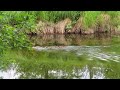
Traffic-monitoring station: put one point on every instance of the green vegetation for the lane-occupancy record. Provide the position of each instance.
(90, 18)
(55, 16)
(15, 46)
(105, 20)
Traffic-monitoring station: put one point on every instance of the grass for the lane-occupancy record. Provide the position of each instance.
(28, 19)
(90, 18)
(55, 16)
(102, 19)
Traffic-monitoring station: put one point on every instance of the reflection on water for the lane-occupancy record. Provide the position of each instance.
(83, 73)
(64, 57)
(10, 73)
(90, 51)
(70, 40)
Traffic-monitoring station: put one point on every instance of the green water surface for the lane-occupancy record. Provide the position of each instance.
(64, 57)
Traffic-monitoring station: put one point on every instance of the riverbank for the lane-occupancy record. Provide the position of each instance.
(88, 23)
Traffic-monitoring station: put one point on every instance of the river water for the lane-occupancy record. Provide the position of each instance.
(65, 57)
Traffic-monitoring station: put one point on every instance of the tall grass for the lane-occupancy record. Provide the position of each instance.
(55, 16)
(102, 19)
(90, 18)
(27, 19)
(115, 18)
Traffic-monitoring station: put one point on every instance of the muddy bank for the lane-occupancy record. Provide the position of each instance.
(67, 26)
(52, 28)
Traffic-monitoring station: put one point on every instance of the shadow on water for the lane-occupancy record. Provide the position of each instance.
(64, 57)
